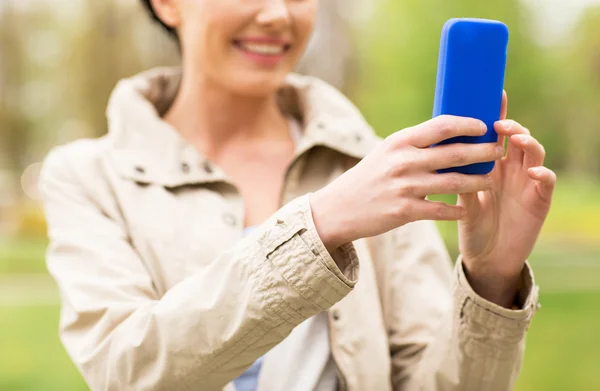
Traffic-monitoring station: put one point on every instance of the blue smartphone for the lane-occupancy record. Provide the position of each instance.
(470, 78)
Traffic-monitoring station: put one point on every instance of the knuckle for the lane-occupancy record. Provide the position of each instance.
(401, 163)
(440, 211)
(486, 182)
(403, 211)
(391, 140)
(388, 168)
(393, 167)
(458, 156)
(483, 182)
(407, 189)
(446, 126)
(454, 184)
(395, 140)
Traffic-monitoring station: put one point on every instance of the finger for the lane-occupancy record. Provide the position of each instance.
(504, 109)
(434, 210)
(452, 183)
(534, 152)
(503, 114)
(546, 178)
(457, 155)
(501, 143)
(509, 128)
(442, 128)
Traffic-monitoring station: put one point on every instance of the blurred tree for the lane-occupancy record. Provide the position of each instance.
(582, 95)
(398, 63)
(110, 47)
(15, 126)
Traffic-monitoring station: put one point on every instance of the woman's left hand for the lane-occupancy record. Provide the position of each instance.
(502, 224)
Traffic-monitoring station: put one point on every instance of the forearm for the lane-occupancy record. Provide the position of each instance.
(205, 330)
(500, 290)
(479, 346)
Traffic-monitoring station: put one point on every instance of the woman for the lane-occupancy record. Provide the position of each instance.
(213, 238)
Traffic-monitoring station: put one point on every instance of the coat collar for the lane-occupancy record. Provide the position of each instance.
(146, 149)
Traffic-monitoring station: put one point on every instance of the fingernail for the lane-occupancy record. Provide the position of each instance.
(483, 127)
(507, 124)
(500, 150)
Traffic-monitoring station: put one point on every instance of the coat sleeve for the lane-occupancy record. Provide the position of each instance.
(443, 336)
(204, 331)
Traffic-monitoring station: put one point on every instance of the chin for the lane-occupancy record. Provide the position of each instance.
(256, 83)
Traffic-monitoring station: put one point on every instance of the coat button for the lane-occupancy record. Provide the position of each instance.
(207, 168)
(336, 315)
(229, 219)
(185, 168)
(140, 170)
(358, 138)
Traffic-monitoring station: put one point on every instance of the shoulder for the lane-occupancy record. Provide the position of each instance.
(75, 163)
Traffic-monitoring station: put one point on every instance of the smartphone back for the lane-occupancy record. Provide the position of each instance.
(470, 78)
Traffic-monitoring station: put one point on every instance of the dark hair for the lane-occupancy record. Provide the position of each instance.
(148, 5)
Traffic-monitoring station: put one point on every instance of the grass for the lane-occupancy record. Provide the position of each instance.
(561, 354)
(22, 255)
(562, 344)
(33, 358)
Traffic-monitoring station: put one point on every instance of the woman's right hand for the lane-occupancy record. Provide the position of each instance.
(387, 189)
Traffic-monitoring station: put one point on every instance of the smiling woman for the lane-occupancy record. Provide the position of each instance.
(213, 239)
(233, 46)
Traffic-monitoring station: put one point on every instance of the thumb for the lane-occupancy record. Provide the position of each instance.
(470, 202)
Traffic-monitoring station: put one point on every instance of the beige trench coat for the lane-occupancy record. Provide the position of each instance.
(160, 293)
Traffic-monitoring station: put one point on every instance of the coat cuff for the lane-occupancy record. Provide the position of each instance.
(494, 328)
(292, 246)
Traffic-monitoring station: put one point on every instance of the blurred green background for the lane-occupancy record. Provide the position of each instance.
(60, 60)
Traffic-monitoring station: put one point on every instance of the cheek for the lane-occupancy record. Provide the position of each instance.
(304, 23)
(209, 27)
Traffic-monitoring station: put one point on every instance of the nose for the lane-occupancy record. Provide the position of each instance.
(274, 15)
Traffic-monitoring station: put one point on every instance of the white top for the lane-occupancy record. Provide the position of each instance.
(303, 360)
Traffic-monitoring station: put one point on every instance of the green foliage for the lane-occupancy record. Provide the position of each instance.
(398, 63)
(580, 93)
(32, 356)
(562, 346)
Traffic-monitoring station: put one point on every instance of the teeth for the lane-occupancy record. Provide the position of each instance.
(261, 48)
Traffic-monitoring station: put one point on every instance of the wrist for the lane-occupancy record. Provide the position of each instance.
(323, 214)
(493, 286)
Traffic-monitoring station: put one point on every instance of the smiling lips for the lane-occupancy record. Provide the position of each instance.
(264, 51)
